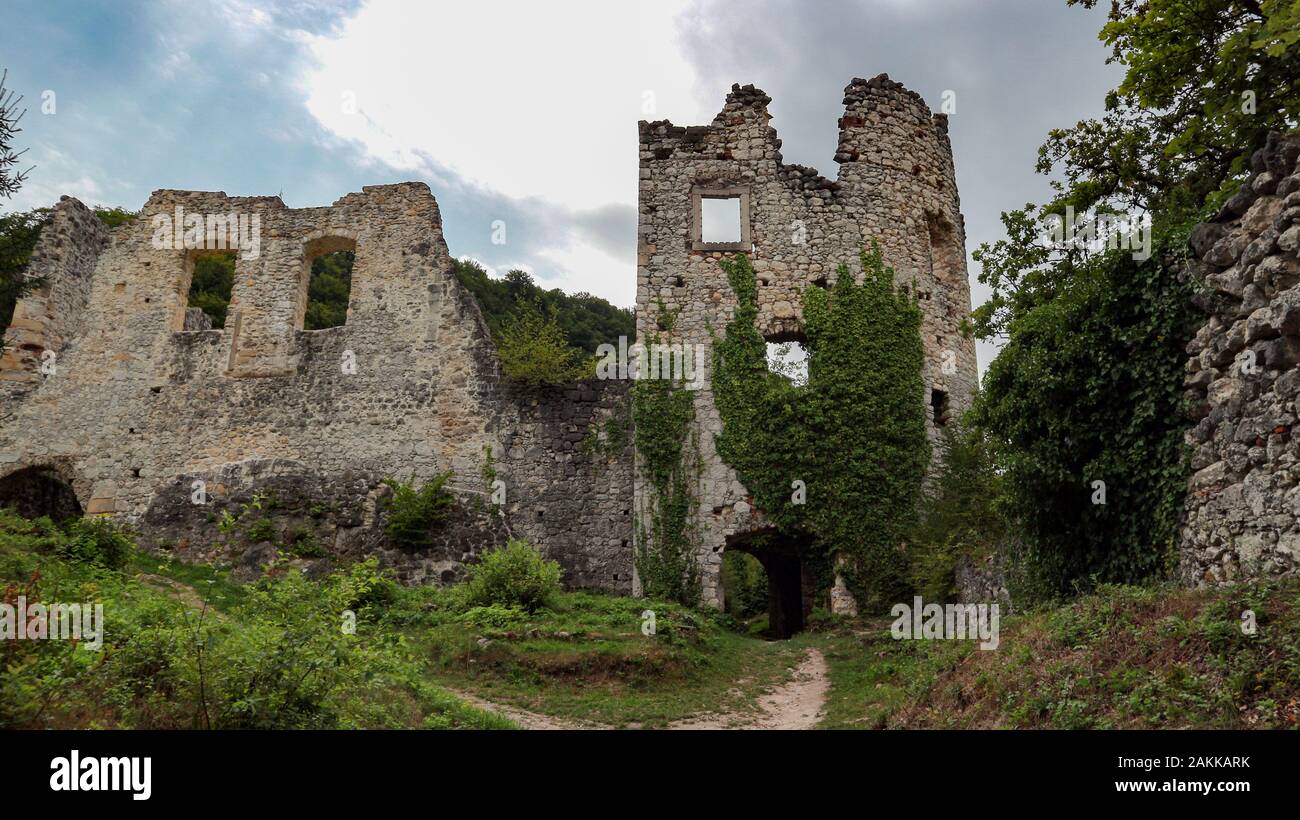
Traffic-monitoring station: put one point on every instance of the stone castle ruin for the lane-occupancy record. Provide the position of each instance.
(116, 399)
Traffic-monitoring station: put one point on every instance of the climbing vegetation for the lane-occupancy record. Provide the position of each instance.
(668, 452)
(864, 393)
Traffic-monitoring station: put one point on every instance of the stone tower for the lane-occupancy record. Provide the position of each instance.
(895, 186)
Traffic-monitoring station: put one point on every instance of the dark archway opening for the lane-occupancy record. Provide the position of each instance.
(39, 491)
(790, 587)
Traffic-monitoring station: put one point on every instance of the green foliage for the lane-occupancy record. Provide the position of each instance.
(115, 216)
(533, 350)
(515, 575)
(493, 616)
(1184, 118)
(1089, 388)
(328, 290)
(96, 541)
(210, 285)
(586, 321)
(280, 657)
(662, 411)
(744, 584)
(960, 515)
(412, 513)
(301, 542)
(260, 531)
(864, 393)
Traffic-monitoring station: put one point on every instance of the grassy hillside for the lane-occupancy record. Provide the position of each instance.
(185, 647)
(1125, 657)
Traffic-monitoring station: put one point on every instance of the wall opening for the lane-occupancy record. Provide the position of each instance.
(39, 491)
(212, 276)
(787, 356)
(939, 406)
(326, 288)
(790, 590)
(720, 219)
(943, 263)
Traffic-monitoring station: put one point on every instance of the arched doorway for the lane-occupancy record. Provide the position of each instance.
(790, 587)
(38, 491)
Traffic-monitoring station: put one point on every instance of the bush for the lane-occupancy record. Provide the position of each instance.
(492, 617)
(96, 541)
(412, 513)
(260, 531)
(534, 350)
(514, 575)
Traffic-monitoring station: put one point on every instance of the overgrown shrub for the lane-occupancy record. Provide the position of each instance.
(96, 541)
(292, 654)
(513, 575)
(960, 515)
(534, 350)
(412, 513)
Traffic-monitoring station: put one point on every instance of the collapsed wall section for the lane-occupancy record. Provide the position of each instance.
(148, 398)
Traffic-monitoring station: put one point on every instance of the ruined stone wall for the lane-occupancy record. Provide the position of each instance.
(1243, 502)
(895, 185)
(144, 397)
(47, 319)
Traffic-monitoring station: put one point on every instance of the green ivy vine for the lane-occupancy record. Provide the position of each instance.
(668, 458)
(854, 434)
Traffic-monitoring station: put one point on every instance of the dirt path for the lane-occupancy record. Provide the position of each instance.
(796, 704)
(525, 719)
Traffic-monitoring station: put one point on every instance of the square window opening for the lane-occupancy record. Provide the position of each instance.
(720, 220)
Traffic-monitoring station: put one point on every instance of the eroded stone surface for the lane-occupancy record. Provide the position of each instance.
(1243, 501)
(895, 186)
(144, 397)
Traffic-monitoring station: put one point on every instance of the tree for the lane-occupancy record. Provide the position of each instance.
(587, 321)
(534, 351)
(10, 179)
(1088, 387)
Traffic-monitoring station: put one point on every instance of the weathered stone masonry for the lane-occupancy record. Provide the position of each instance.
(138, 405)
(1243, 501)
(895, 186)
(145, 398)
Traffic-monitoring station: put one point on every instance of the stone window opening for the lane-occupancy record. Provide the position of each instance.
(211, 275)
(720, 219)
(943, 262)
(939, 406)
(787, 356)
(325, 290)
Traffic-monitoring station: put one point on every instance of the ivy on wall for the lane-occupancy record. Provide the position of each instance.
(854, 434)
(668, 458)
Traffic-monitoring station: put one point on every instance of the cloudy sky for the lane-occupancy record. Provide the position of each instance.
(517, 111)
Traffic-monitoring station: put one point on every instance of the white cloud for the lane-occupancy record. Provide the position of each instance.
(527, 99)
(587, 268)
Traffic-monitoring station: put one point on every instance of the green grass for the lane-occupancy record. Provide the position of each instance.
(872, 675)
(269, 655)
(211, 584)
(1127, 657)
(587, 660)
